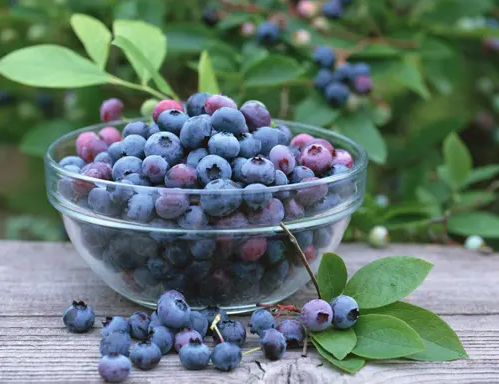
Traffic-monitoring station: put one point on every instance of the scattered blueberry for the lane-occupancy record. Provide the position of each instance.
(260, 321)
(79, 317)
(114, 368)
(273, 344)
(232, 332)
(316, 315)
(226, 356)
(345, 312)
(139, 325)
(115, 342)
(173, 312)
(162, 337)
(145, 355)
(293, 332)
(185, 336)
(195, 355)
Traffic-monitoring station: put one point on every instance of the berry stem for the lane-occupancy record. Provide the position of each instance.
(305, 344)
(251, 351)
(215, 328)
(303, 258)
(144, 88)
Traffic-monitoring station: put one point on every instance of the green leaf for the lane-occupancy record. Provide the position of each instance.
(405, 215)
(132, 51)
(385, 337)
(409, 74)
(476, 175)
(271, 71)
(387, 280)
(37, 140)
(474, 199)
(148, 39)
(188, 38)
(332, 276)
(337, 342)
(350, 364)
(442, 343)
(474, 223)
(51, 66)
(323, 114)
(207, 79)
(457, 159)
(94, 35)
(359, 126)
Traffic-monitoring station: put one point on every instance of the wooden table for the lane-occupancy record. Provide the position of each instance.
(39, 280)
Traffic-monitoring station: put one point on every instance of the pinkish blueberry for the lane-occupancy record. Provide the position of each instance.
(111, 109)
(163, 105)
(110, 135)
(316, 157)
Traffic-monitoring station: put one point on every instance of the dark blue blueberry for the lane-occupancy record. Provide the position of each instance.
(305, 238)
(172, 120)
(332, 9)
(324, 204)
(345, 312)
(114, 368)
(323, 78)
(154, 167)
(196, 132)
(269, 137)
(226, 356)
(274, 277)
(166, 145)
(337, 94)
(193, 218)
(195, 104)
(213, 167)
(268, 33)
(120, 194)
(7, 98)
(275, 253)
(171, 294)
(281, 179)
(125, 166)
(272, 214)
(115, 324)
(133, 145)
(198, 270)
(299, 173)
(173, 312)
(184, 336)
(175, 279)
(104, 157)
(256, 115)
(286, 131)
(195, 355)
(195, 156)
(203, 249)
(324, 57)
(256, 196)
(171, 203)
(144, 278)
(154, 321)
(220, 202)
(229, 120)
(115, 151)
(115, 342)
(72, 160)
(178, 254)
(210, 16)
(323, 236)
(145, 355)
(137, 179)
(153, 128)
(237, 164)
(161, 235)
(199, 323)
(157, 267)
(249, 146)
(45, 101)
(140, 207)
(79, 317)
(361, 69)
(139, 325)
(343, 74)
(224, 144)
(136, 128)
(260, 321)
(293, 332)
(163, 337)
(273, 344)
(258, 170)
(247, 272)
(232, 332)
(100, 201)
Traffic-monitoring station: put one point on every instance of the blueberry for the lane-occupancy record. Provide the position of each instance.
(256, 115)
(120, 194)
(274, 277)
(226, 356)
(221, 203)
(89, 145)
(275, 252)
(281, 179)
(210, 312)
(299, 173)
(345, 312)
(156, 266)
(210, 16)
(195, 103)
(337, 94)
(175, 279)
(166, 145)
(305, 239)
(268, 33)
(100, 201)
(72, 160)
(115, 342)
(235, 220)
(215, 102)
(293, 332)
(249, 146)
(199, 323)
(324, 57)
(311, 195)
(145, 355)
(177, 254)
(258, 170)
(232, 332)
(343, 74)
(260, 321)
(172, 120)
(316, 315)
(104, 157)
(137, 179)
(171, 294)
(362, 85)
(361, 69)
(256, 196)
(115, 324)
(79, 317)
(125, 166)
(317, 158)
(139, 325)
(140, 207)
(115, 151)
(224, 144)
(323, 236)
(237, 165)
(193, 218)
(154, 167)
(269, 137)
(323, 78)
(173, 312)
(300, 140)
(271, 214)
(184, 336)
(136, 128)
(283, 159)
(332, 9)
(196, 156)
(153, 128)
(229, 120)
(196, 132)
(342, 157)
(324, 204)
(181, 176)
(171, 203)
(195, 355)
(253, 249)
(164, 105)
(114, 368)
(273, 344)
(286, 132)
(133, 145)
(163, 337)
(143, 278)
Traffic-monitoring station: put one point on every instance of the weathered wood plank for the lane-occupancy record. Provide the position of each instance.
(38, 280)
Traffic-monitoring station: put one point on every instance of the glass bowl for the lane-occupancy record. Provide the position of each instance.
(236, 261)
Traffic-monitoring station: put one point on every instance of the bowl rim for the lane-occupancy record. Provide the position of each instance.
(360, 164)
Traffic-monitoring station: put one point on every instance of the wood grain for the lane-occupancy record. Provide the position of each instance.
(39, 280)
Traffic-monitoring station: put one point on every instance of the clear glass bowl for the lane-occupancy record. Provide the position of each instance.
(219, 263)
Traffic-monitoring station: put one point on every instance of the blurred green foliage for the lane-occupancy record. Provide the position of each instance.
(429, 127)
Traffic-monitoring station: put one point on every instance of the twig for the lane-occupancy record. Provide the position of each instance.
(304, 260)
(215, 328)
(284, 105)
(280, 308)
(305, 343)
(251, 351)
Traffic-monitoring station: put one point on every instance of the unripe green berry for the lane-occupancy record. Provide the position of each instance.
(379, 237)
(147, 107)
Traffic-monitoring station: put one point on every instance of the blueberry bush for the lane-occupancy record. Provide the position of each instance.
(412, 81)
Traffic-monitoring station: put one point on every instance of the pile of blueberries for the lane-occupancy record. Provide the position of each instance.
(212, 166)
(173, 325)
(337, 82)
